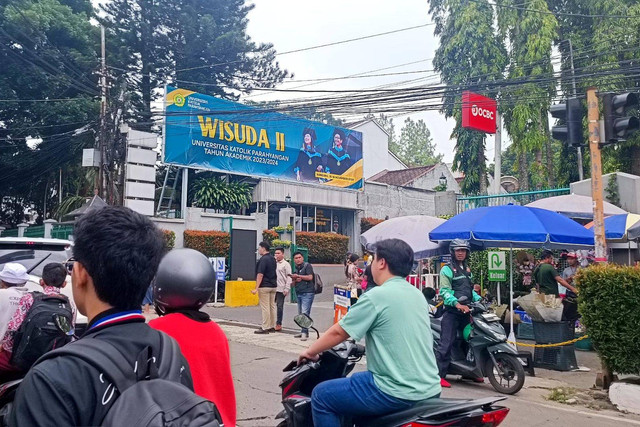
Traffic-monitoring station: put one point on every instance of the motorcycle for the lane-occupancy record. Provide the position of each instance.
(7, 393)
(487, 353)
(300, 380)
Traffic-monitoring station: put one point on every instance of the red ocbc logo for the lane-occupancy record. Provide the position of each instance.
(479, 111)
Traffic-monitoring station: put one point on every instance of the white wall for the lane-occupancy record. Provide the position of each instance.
(382, 200)
(628, 189)
(431, 179)
(375, 149)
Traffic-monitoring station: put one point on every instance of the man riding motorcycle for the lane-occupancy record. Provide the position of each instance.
(395, 321)
(455, 282)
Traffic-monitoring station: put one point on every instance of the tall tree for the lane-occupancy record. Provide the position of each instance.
(200, 45)
(471, 55)
(415, 146)
(48, 55)
(525, 107)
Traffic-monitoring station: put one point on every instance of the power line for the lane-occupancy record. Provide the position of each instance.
(304, 49)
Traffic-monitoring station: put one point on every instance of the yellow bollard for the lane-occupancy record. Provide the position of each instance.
(237, 293)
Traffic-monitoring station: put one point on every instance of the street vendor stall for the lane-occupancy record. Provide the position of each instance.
(513, 226)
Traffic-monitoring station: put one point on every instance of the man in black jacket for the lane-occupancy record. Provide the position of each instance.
(117, 252)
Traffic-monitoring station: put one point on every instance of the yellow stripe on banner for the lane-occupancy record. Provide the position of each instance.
(171, 96)
(354, 174)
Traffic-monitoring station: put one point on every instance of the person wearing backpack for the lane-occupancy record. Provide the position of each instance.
(115, 372)
(53, 279)
(183, 284)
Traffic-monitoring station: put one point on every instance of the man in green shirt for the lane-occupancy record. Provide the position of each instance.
(394, 320)
(547, 277)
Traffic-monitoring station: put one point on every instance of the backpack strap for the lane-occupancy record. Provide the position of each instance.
(105, 357)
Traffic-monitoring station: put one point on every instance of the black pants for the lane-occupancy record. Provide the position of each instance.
(452, 322)
(279, 307)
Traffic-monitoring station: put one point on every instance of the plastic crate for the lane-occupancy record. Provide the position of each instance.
(553, 332)
(525, 331)
(562, 358)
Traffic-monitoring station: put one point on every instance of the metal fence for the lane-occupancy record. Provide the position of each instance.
(34, 231)
(467, 203)
(13, 232)
(62, 231)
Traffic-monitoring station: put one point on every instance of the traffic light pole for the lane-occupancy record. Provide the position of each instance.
(593, 115)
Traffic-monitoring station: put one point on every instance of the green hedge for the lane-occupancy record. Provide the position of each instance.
(324, 248)
(210, 243)
(608, 303)
(169, 238)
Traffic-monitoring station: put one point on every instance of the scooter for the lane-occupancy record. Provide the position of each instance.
(300, 380)
(487, 353)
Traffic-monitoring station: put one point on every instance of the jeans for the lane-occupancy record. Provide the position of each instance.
(354, 396)
(279, 307)
(304, 306)
(451, 323)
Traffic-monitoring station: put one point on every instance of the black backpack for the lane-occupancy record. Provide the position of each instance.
(48, 325)
(317, 283)
(150, 395)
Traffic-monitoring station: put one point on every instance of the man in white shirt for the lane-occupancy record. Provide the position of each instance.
(283, 269)
(13, 279)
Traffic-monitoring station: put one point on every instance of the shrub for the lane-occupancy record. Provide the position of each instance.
(169, 238)
(608, 296)
(210, 243)
(368, 222)
(270, 236)
(324, 248)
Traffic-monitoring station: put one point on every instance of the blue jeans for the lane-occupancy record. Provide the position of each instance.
(304, 306)
(354, 396)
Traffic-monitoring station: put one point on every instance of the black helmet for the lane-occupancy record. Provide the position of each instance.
(185, 280)
(459, 244)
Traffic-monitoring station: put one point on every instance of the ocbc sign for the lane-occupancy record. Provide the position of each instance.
(478, 112)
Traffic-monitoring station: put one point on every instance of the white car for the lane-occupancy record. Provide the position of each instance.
(34, 253)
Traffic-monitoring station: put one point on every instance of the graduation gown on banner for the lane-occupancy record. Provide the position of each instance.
(338, 161)
(307, 164)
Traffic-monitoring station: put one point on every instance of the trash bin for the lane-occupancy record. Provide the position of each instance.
(561, 358)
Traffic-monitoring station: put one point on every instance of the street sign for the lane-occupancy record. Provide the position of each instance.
(218, 264)
(497, 267)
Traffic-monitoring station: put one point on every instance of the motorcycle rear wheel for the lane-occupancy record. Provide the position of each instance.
(512, 380)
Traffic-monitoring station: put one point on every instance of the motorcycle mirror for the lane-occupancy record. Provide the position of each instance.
(303, 321)
(463, 300)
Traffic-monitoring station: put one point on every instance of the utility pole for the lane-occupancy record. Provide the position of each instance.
(593, 115)
(102, 140)
(573, 78)
(497, 174)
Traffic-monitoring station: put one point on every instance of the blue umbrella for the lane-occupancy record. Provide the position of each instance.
(514, 227)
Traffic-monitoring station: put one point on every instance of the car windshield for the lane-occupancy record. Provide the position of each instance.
(34, 259)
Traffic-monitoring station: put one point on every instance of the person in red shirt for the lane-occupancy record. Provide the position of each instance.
(183, 284)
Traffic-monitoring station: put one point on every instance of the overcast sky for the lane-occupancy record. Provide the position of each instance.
(295, 24)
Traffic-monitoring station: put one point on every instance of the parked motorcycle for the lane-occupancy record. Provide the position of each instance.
(487, 353)
(300, 380)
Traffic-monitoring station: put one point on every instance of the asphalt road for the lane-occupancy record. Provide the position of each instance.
(257, 363)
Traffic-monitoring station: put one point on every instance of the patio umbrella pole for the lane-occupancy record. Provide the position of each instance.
(512, 335)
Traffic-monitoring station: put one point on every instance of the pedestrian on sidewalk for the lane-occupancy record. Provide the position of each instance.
(303, 279)
(547, 278)
(283, 271)
(266, 284)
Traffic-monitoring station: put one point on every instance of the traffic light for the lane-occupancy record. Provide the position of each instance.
(616, 126)
(571, 113)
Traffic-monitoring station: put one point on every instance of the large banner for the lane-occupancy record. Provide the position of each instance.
(210, 133)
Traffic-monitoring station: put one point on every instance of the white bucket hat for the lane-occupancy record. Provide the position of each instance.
(14, 274)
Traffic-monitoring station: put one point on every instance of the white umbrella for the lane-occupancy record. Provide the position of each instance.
(574, 206)
(414, 230)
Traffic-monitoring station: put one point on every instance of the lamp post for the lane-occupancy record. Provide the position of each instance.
(443, 180)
